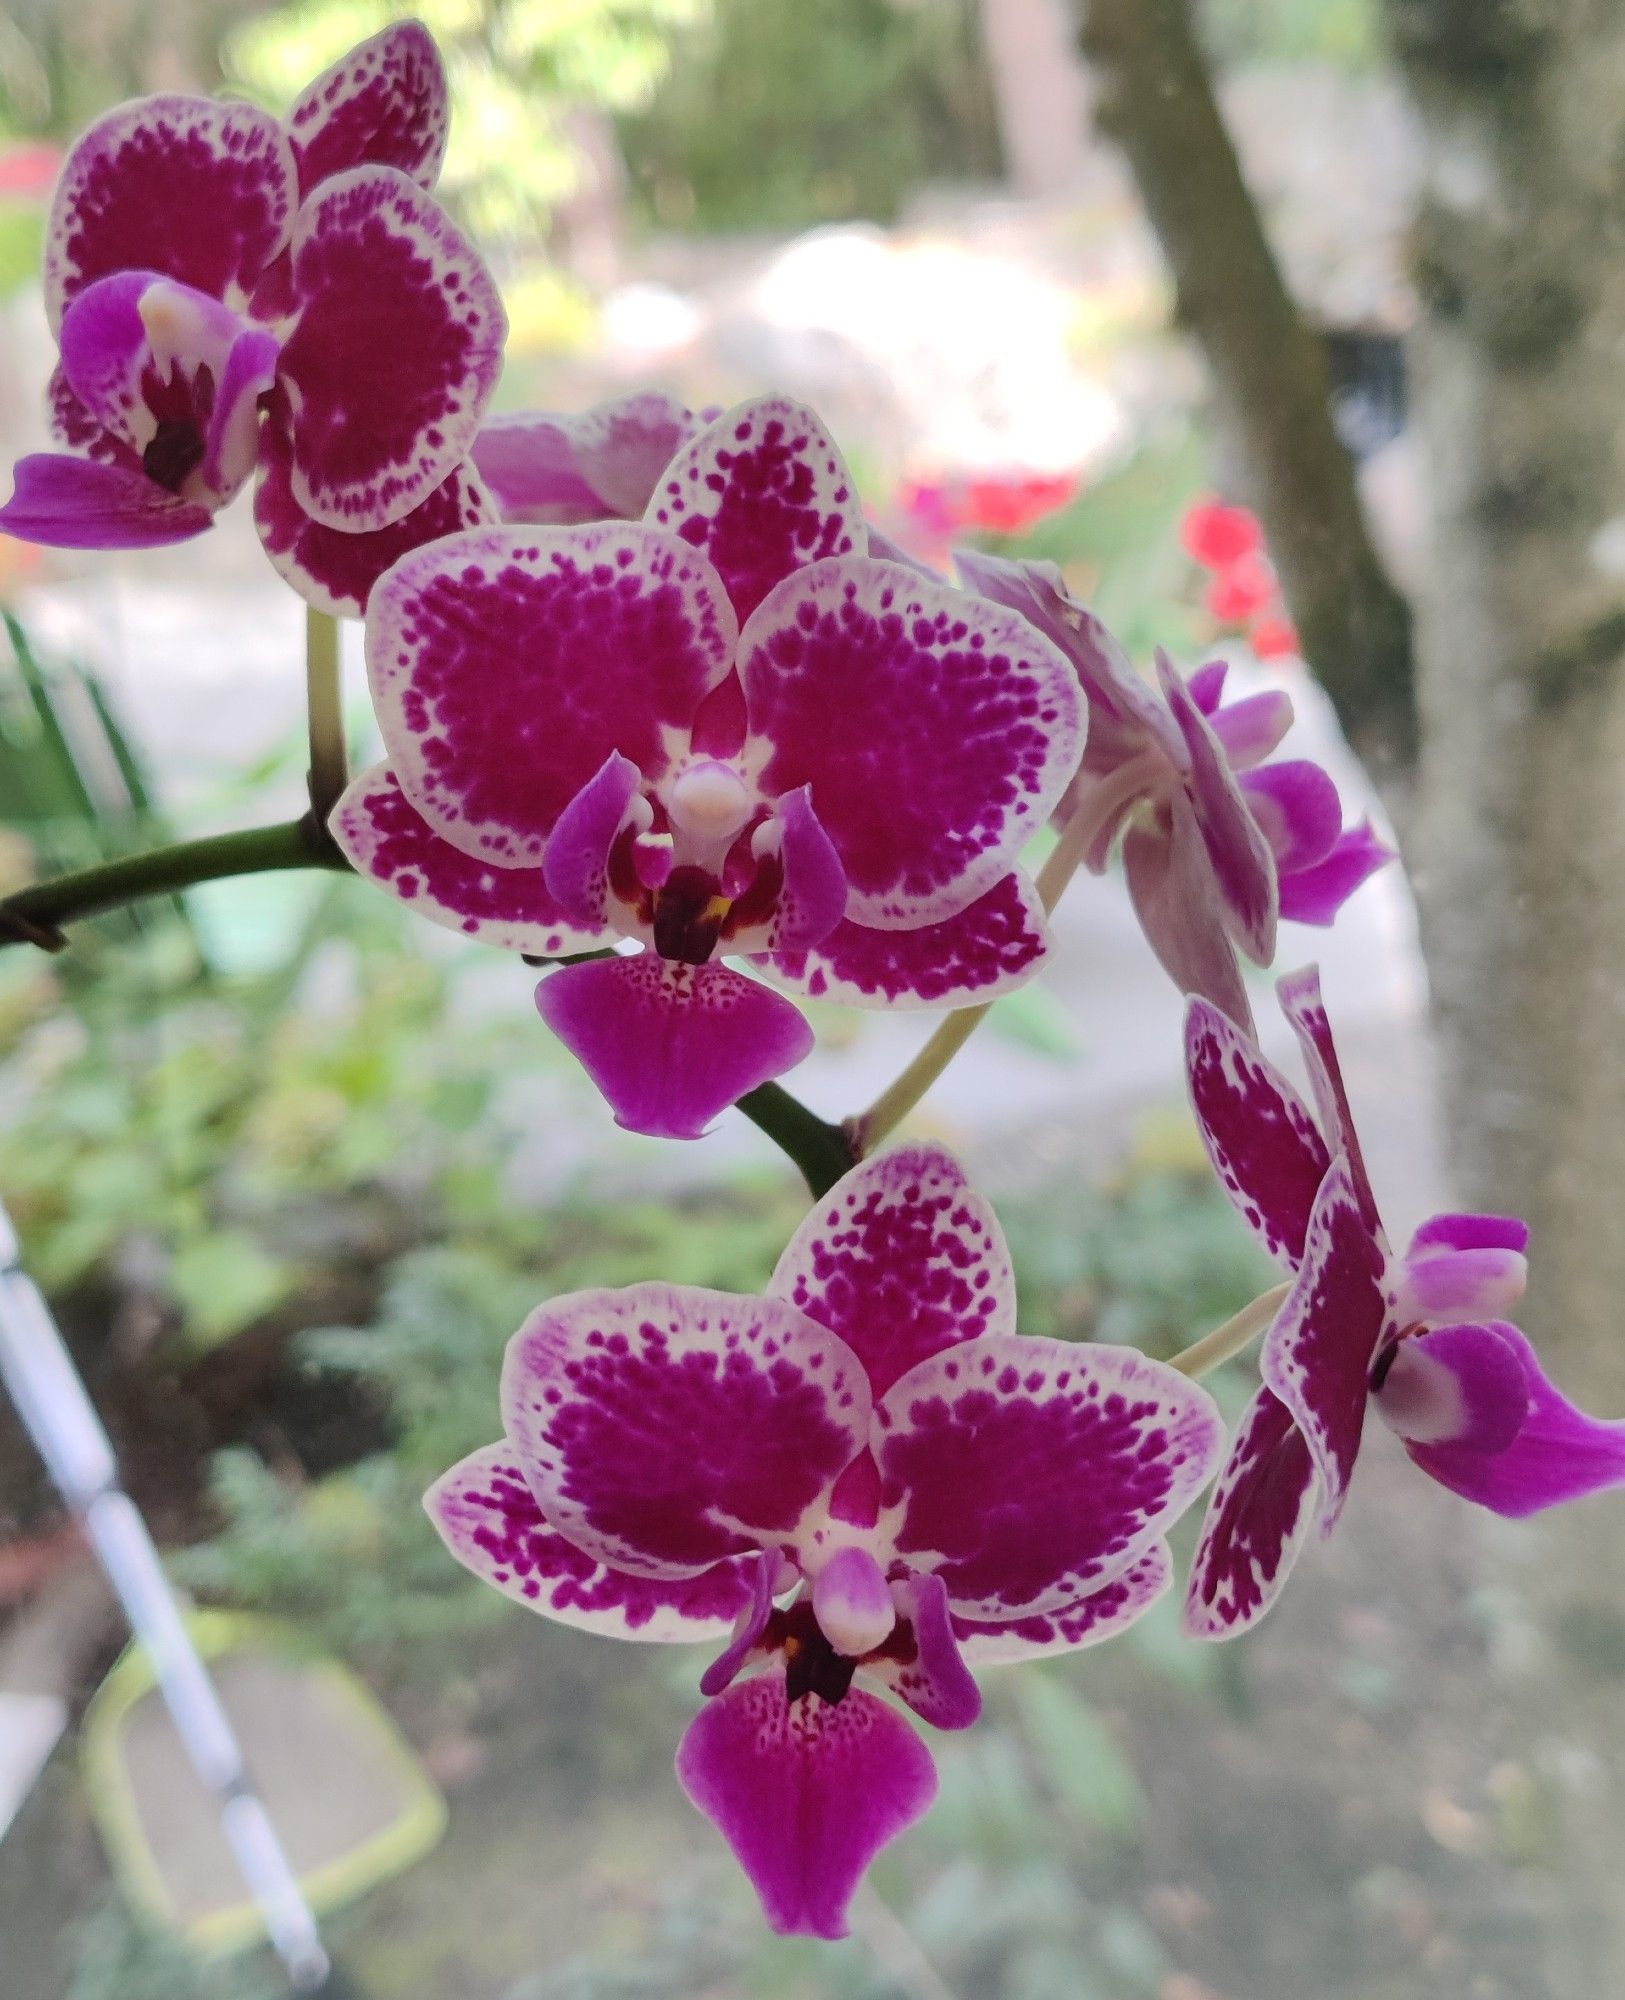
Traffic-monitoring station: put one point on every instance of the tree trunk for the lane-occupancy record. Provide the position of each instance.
(1518, 844)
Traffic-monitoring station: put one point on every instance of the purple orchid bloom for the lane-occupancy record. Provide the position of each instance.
(1219, 843)
(1421, 1336)
(232, 294)
(864, 1479)
(559, 470)
(721, 729)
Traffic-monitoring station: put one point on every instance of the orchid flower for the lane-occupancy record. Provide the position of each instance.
(557, 469)
(721, 729)
(231, 294)
(864, 1479)
(1422, 1336)
(1219, 844)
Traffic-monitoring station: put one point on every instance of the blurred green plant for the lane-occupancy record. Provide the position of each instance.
(523, 74)
(830, 109)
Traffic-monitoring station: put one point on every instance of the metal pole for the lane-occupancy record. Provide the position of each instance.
(52, 1401)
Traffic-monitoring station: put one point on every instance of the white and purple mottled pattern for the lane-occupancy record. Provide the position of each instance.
(384, 104)
(1263, 1505)
(901, 1260)
(1086, 1621)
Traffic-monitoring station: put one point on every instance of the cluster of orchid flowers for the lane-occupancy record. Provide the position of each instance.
(653, 696)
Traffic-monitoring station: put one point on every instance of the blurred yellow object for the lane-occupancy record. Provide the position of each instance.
(349, 1799)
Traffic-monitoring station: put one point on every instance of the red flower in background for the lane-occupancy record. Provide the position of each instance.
(28, 171)
(939, 508)
(1243, 590)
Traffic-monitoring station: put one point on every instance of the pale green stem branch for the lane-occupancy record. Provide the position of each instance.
(1206, 1354)
(324, 700)
(1095, 811)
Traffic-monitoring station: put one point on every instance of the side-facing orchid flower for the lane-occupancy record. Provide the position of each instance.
(232, 294)
(1422, 1336)
(558, 469)
(1219, 844)
(864, 1479)
(717, 730)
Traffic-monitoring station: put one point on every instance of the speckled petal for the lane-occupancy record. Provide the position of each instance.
(1257, 1521)
(805, 1793)
(665, 1427)
(1265, 1147)
(332, 570)
(389, 842)
(394, 353)
(73, 425)
(488, 1517)
(761, 492)
(1087, 1621)
(671, 1046)
(937, 731)
(1319, 1351)
(79, 503)
(385, 104)
(1031, 1471)
(901, 1259)
(201, 191)
(934, 1679)
(507, 664)
(989, 948)
(1305, 1010)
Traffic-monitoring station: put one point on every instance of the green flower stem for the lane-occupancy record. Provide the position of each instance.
(324, 701)
(36, 915)
(1204, 1355)
(821, 1150)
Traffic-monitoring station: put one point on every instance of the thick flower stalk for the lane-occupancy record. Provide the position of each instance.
(1421, 1336)
(865, 1479)
(234, 295)
(1219, 843)
(725, 729)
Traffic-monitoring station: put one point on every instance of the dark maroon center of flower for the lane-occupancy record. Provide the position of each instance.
(689, 914)
(174, 453)
(811, 1663)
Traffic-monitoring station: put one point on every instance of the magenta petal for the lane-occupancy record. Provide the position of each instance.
(1301, 1003)
(1248, 730)
(394, 353)
(1243, 865)
(991, 947)
(1559, 1453)
(1462, 1267)
(77, 503)
(105, 352)
(1461, 1385)
(335, 571)
(623, 446)
(1318, 1354)
(1125, 716)
(1029, 1471)
(377, 826)
(664, 1427)
(901, 1259)
(750, 1622)
(385, 104)
(1257, 1520)
(201, 191)
(805, 1793)
(1315, 895)
(488, 1517)
(760, 493)
(1169, 874)
(937, 731)
(507, 664)
(812, 892)
(1296, 807)
(73, 425)
(935, 1681)
(671, 1046)
(576, 865)
(528, 459)
(1266, 1149)
(1086, 1621)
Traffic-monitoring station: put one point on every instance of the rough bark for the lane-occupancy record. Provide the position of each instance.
(1519, 836)
(1156, 100)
